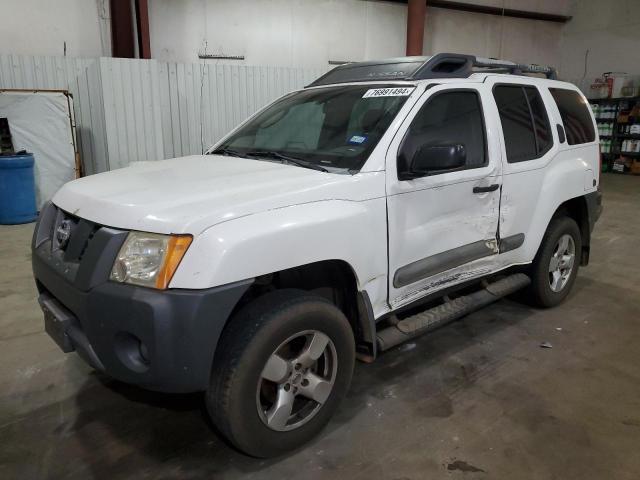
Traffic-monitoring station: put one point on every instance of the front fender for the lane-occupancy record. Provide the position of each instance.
(274, 240)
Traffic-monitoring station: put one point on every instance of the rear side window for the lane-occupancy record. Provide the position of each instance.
(525, 124)
(575, 116)
(540, 121)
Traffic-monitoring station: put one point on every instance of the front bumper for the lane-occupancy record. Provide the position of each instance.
(161, 340)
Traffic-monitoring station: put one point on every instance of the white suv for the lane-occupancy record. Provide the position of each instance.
(307, 237)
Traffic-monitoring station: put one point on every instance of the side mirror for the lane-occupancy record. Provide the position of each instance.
(433, 158)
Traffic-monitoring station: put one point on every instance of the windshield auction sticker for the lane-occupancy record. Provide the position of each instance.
(388, 92)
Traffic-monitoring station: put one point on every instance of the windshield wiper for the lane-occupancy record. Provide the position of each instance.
(229, 152)
(286, 159)
(269, 154)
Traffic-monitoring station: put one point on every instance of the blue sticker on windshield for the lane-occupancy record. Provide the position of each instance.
(357, 139)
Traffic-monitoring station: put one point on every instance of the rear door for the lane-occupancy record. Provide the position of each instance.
(442, 226)
(530, 147)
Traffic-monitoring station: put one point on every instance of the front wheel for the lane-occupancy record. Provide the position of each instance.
(283, 364)
(555, 267)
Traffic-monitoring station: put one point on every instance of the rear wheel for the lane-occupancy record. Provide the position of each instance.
(555, 267)
(284, 363)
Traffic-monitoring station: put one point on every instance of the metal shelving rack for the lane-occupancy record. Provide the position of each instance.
(616, 137)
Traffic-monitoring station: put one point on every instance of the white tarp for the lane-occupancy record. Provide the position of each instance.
(40, 124)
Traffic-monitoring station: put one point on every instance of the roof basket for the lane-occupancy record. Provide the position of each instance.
(490, 64)
(442, 65)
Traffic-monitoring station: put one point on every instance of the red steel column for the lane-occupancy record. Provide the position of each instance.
(416, 13)
(122, 38)
(142, 17)
(122, 29)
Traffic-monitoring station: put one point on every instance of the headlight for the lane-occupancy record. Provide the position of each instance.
(149, 259)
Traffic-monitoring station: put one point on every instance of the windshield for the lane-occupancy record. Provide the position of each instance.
(326, 128)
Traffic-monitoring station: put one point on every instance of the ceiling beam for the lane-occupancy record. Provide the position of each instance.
(506, 12)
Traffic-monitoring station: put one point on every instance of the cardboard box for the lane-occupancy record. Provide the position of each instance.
(621, 165)
(634, 169)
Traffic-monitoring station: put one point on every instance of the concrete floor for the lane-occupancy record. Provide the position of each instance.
(476, 399)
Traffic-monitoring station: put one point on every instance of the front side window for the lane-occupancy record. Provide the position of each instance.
(330, 128)
(574, 112)
(525, 125)
(447, 119)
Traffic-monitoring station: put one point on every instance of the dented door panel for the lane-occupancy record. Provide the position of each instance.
(441, 232)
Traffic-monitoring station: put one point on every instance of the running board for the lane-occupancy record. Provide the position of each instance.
(435, 317)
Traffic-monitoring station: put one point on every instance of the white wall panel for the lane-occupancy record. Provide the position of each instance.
(132, 110)
(64, 73)
(304, 33)
(311, 32)
(40, 124)
(200, 103)
(274, 32)
(94, 129)
(47, 27)
(515, 39)
(601, 37)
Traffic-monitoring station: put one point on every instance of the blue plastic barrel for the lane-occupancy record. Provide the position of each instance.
(17, 189)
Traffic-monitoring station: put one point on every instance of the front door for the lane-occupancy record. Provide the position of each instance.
(443, 225)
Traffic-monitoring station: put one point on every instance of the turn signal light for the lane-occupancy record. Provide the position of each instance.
(176, 248)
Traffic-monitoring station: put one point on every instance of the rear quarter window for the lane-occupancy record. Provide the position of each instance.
(574, 112)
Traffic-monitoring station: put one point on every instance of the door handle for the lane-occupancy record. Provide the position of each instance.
(490, 188)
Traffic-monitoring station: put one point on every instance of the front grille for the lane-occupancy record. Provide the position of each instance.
(78, 250)
(66, 236)
(62, 239)
(86, 244)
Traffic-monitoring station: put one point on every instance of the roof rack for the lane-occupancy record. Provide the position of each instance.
(442, 65)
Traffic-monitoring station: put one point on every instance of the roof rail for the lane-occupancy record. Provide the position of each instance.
(442, 65)
(516, 68)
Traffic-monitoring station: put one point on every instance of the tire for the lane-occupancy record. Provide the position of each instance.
(542, 292)
(242, 386)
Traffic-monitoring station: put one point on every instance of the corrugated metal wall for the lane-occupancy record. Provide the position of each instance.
(131, 99)
(129, 110)
(53, 73)
(201, 103)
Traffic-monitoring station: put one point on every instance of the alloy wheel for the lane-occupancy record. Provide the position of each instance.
(296, 380)
(561, 263)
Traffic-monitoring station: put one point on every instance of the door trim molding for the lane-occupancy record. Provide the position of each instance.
(441, 262)
(511, 242)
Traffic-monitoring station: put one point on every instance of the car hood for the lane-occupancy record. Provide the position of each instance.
(190, 194)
